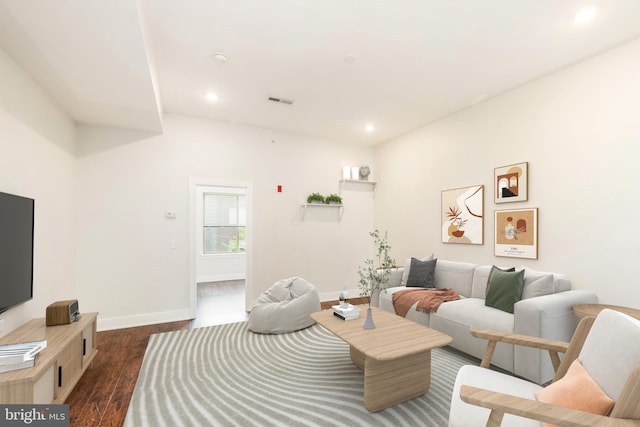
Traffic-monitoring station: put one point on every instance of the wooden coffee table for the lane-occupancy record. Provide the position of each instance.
(395, 356)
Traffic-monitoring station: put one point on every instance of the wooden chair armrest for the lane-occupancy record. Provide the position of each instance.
(500, 404)
(493, 337)
(517, 339)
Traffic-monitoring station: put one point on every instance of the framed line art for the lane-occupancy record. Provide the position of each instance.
(462, 215)
(516, 233)
(510, 183)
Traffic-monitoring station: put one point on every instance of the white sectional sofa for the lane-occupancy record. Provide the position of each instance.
(545, 310)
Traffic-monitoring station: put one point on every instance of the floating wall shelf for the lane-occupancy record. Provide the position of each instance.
(321, 206)
(359, 182)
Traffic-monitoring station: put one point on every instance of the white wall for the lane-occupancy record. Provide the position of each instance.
(579, 129)
(127, 269)
(37, 161)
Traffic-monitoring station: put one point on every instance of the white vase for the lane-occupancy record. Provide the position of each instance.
(368, 323)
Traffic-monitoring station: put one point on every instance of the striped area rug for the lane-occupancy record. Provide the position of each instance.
(228, 376)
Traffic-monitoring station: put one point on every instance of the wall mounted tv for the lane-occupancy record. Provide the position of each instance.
(16, 250)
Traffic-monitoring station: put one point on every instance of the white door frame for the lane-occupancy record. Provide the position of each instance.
(195, 182)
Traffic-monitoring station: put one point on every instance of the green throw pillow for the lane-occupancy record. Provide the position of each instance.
(505, 289)
(494, 268)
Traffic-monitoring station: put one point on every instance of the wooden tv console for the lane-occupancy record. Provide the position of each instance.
(70, 350)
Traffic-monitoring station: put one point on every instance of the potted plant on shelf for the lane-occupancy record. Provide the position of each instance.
(375, 278)
(316, 198)
(333, 199)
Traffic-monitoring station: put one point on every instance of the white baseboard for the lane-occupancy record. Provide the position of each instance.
(110, 323)
(331, 296)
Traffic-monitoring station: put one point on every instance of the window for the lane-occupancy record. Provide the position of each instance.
(225, 223)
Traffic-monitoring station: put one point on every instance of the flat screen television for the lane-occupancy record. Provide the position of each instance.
(16, 250)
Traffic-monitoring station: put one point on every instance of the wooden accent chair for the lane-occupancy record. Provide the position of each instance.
(608, 347)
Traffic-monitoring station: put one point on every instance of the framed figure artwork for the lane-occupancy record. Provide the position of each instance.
(511, 183)
(462, 217)
(516, 233)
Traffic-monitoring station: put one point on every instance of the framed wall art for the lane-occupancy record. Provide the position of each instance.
(516, 233)
(462, 213)
(510, 183)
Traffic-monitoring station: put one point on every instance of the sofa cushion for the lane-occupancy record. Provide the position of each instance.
(473, 312)
(385, 301)
(480, 279)
(422, 273)
(407, 268)
(537, 283)
(454, 319)
(504, 289)
(455, 275)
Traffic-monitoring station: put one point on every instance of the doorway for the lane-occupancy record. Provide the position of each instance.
(220, 251)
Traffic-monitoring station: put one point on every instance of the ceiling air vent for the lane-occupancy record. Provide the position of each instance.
(281, 100)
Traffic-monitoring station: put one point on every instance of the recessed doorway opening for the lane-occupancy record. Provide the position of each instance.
(221, 232)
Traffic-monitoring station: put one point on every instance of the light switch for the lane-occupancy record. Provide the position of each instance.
(170, 215)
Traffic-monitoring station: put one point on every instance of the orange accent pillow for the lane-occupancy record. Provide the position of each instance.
(576, 390)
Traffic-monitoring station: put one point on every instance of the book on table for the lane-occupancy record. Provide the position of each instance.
(17, 353)
(348, 308)
(340, 316)
(349, 312)
(29, 363)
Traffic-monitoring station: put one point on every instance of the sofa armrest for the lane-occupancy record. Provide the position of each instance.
(395, 277)
(549, 316)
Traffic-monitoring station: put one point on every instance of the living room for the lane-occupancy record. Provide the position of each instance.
(101, 192)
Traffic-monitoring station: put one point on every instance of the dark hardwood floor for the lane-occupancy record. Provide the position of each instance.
(101, 397)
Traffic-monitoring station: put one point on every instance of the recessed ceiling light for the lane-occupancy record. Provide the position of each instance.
(369, 128)
(585, 15)
(211, 96)
(220, 58)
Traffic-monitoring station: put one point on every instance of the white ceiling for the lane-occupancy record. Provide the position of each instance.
(122, 62)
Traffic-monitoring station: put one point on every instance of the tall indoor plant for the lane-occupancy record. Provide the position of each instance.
(375, 278)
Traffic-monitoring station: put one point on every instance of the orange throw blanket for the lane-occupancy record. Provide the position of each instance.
(428, 299)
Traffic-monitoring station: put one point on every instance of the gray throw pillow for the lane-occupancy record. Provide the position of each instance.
(422, 274)
(407, 267)
(505, 289)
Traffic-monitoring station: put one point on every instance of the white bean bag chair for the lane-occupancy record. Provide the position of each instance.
(285, 307)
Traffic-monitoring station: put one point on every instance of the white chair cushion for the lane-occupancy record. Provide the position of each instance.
(464, 415)
(612, 350)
